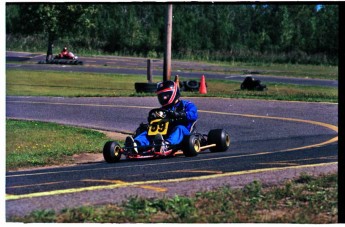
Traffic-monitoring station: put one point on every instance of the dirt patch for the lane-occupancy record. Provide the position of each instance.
(115, 135)
(98, 157)
(87, 158)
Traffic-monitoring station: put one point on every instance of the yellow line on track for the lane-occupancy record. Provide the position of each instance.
(271, 100)
(156, 189)
(137, 183)
(105, 181)
(332, 127)
(123, 183)
(195, 171)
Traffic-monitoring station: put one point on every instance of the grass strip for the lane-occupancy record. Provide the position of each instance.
(307, 199)
(33, 144)
(71, 84)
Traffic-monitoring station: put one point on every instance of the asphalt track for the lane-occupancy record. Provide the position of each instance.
(267, 137)
(130, 65)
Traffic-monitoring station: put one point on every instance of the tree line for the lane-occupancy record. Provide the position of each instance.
(300, 33)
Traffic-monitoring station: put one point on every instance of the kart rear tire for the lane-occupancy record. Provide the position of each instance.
(191, 146)
(219, 137)
(111, 151)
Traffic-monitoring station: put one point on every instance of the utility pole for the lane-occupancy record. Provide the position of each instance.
(168, 35)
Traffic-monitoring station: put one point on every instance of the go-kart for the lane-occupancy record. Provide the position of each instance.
(217, 140)
(68, 58)
(68, 55)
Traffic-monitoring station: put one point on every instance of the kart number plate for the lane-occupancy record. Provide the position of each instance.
(158, 126)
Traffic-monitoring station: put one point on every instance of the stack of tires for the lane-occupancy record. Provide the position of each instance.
(145, 87)
(189, 85)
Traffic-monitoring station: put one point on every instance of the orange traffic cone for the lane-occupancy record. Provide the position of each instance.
(202, 88)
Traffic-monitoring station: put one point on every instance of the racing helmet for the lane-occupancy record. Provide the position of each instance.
(64, 49)
(167, 92)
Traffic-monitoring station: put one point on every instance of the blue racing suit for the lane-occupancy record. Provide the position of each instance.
(179, 128)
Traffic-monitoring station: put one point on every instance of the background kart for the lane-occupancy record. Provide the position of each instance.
(217, 140)
(69, 59)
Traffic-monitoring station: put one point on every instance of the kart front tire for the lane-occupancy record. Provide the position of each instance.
(112, 151)
(219, 137)
(191, 146)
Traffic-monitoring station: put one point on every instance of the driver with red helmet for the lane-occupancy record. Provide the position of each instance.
(64, 53)
(183, 112)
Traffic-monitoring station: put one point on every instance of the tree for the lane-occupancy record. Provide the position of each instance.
(327, 25)
(58, 19)
(287, 30)
(215, 31)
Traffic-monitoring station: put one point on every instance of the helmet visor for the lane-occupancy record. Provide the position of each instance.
(164, 97)
(168, 94)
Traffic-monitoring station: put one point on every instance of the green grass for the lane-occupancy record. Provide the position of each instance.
(308, 199)
(273, 69)
(290, 70)
(30, 143)
(37, 83)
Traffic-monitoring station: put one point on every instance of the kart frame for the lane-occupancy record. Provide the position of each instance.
(217, 140)
(172, 151)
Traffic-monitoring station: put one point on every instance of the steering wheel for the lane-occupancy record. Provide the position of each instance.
(158, 113)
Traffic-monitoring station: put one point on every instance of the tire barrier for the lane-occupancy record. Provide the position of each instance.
(189, 85)
(145, 87)
(249, 83)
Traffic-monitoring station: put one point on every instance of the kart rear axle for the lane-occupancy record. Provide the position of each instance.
(208, 146)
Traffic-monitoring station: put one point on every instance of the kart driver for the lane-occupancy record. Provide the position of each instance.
(64, 53)
(183, 113)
